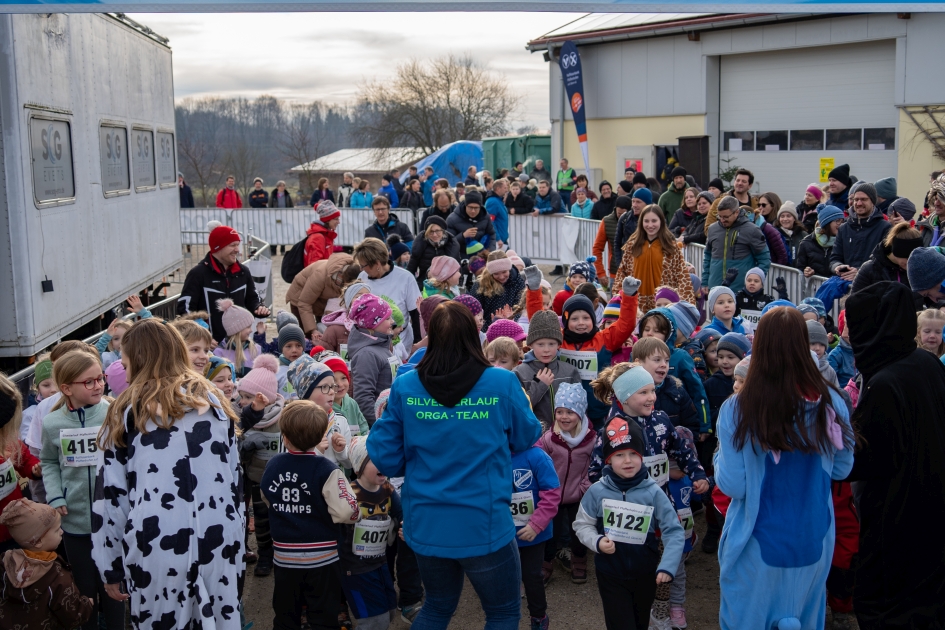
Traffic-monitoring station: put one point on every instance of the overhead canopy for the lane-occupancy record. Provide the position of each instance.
(362, 160)
(452, 160)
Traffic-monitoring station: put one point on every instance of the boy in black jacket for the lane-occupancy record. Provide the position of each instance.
(308, 497)
(671, 396)
(750, 300)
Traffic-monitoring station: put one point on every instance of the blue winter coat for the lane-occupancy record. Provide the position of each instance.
(534, 471)
(495, 207)
(741, 247)
(737, 326)
(778, 538)
(673, 400)
(457, 461)
(841, 360)
(391, 193)
(683, 367)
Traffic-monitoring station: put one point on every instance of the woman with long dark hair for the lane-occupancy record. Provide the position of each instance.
(782, 439)
(653, 256)
(460, 471)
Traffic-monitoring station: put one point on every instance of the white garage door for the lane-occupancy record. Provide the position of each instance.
(781, 112)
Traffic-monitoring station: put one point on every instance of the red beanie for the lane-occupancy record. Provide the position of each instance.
(337, 364)
(222, 236)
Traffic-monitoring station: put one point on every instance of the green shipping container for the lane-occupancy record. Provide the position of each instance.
(499, 153)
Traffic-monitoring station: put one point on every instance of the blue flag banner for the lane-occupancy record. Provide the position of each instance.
(570, 63)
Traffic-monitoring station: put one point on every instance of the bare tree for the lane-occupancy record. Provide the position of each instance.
(302, 138)
(428, 105)
(199, 125)
(244, 161)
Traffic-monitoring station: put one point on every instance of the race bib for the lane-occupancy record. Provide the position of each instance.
(394, 364)
(8, 479)
(584, 361)
(270, 447)
(79, 447)
(522, 506)
(287, 391)
(658, 465)
(370, 537)
(343, 351)
(685, 519)
(626, 522)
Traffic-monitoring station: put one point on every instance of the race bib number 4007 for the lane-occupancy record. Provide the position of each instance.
(584, 361)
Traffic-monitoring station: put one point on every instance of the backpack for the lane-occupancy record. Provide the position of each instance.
(294, 261)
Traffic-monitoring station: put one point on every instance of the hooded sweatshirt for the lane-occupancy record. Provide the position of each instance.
(40, 594)
(900, 463)
(455, 445)
(542, 396)
(373, 366)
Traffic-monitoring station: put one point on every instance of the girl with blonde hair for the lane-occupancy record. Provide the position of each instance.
(15, 456)
(170, 469)
(499, 286)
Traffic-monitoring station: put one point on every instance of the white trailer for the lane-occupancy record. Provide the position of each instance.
(88, 171)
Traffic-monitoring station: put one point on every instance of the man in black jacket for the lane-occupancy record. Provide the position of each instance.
(258, 197)
(218, 276)
(186, 194)
(858, 237)
(387, 223)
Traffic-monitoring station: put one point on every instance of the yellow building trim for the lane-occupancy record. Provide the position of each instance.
(916, 162)
(604, 136)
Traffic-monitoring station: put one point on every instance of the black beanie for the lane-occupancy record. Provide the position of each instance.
(716, 183)
(624, 202)
(841, 174)
(639, 178)
(625, 186)
(473, 196)
(679, 172)
(7, 409)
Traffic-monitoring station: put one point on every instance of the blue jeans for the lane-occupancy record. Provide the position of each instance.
(496, 577)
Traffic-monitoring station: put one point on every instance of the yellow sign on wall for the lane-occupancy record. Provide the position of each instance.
(826, 165)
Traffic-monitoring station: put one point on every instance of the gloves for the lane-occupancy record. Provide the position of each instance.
(630, 286)
(533, 278)
(730, 277)
(781, 287)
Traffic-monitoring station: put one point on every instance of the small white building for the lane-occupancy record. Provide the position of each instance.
(774, 93)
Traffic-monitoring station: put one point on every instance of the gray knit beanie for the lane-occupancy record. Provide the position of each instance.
(926, 268)
(285, 317)
(544, 325)
(291, 332)
(817, 333)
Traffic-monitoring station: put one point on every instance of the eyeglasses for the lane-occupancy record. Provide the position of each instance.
(91, 383)
(328, 389)
(726, 217)
(764, 205)
(436, 232)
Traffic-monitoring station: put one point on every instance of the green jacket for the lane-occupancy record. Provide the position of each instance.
(671, 201)
(740, 247)
(71, 486)
(565, 180)
(350, 410)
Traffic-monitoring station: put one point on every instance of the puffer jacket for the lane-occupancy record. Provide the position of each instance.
(740, 247)
(571, 464)
(394, 226)
(811, 254)
(857, 239)
(626, 226)
(312, 288)
(320, 243)
(932, 234)
(372, 368)
(673, 400)
(423, 253)
(695, 231)
(460, 221)
(778, 251)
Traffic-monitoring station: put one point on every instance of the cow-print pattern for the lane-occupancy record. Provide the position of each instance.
(168, 521)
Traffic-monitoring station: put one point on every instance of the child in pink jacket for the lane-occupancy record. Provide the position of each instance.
(570, 443)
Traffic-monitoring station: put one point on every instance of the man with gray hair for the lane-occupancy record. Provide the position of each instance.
(733, 246)
(343, 195)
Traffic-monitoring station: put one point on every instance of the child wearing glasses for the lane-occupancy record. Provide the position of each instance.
(315, 381)
(69, 457)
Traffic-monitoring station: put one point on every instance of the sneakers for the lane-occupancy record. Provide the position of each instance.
(578, 570)
(540, 624)
(264, 567)
(547, 569)
(409, 613)
(659, 624)
(563, 556)
(677, 617)
(710, 544)
(250, 557)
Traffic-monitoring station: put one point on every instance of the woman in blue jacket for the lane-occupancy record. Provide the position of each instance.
(782, 439)
(450, 428)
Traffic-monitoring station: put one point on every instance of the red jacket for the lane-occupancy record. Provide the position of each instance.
(23, 469)
(320, 243)
(227, 198)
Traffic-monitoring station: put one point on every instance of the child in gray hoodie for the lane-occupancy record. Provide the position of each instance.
(373, 365)
(540, 371)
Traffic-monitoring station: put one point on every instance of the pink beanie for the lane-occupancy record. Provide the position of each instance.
(116, 377)
(505, 328)
(368, 311)
(517, 261)
(815, 190)
(262, 378)
(499, 265)
(236, 319)
(442, 268)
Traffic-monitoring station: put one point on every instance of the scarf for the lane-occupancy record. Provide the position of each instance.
(787, 232)
(450, 388)
(648, 267)
(578, 338)
(822, 239)
(573, 442)
(626, 484)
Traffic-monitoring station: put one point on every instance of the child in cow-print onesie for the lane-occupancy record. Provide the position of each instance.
(167, 519)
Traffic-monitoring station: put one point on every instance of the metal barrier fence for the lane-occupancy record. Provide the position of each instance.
(576, 238)
(538, 238)
(166, 309)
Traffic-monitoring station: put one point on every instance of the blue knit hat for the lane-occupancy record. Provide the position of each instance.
(305, 373)
(828, 214)
(686, 316)
(818, 305)
(776, 304)
(926, 268)
(644, 194)
(584, 268)
(707, 335)
(630, 382)
(807, 308)
(572, 396)
(736, 343)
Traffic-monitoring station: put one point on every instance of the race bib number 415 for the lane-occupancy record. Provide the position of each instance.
(79, 446)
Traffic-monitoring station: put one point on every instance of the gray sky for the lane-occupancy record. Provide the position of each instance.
(324, 56)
